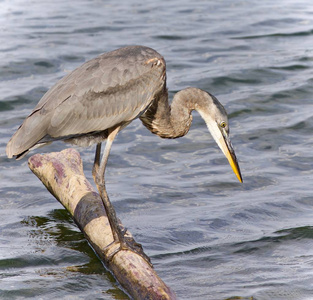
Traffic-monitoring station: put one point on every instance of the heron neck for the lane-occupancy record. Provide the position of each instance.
(172, 121)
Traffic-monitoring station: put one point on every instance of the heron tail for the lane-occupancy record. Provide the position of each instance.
(27, 136)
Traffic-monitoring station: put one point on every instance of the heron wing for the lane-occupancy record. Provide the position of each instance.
(111, 89)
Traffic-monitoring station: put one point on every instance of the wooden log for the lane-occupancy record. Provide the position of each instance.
(62, 174)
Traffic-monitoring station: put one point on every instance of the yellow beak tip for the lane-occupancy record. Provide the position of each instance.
(239, 177)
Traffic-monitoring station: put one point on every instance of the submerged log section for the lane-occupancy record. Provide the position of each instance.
(62, 174)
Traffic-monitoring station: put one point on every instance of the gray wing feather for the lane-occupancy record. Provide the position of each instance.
(111, 89)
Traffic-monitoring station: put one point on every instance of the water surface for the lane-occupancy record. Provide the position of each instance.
(209, 236)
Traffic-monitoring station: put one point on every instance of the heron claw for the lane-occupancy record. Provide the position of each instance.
(127, 243)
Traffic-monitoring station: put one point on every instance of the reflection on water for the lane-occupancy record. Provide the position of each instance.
(208, 236)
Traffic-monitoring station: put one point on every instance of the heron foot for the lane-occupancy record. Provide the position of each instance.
(121, 239)
(131, 245)
(126, 243)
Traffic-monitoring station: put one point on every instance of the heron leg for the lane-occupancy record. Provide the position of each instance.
(98, 174)
(96, 164)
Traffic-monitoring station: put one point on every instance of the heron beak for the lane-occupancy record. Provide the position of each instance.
(222, 139)
(228, 150)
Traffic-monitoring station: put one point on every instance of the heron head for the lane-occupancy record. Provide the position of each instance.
(216, 119)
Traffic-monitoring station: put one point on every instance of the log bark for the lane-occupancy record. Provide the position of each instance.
(62, 174)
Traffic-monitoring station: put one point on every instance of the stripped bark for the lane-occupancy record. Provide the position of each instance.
(62, 174)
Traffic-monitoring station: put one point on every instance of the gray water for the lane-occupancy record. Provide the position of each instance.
(209, 237)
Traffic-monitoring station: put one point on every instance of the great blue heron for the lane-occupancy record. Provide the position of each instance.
(101, 97)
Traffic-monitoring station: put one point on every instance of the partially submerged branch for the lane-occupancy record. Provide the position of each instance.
(62, 174)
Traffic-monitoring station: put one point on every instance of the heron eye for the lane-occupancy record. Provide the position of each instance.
(223, 124)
